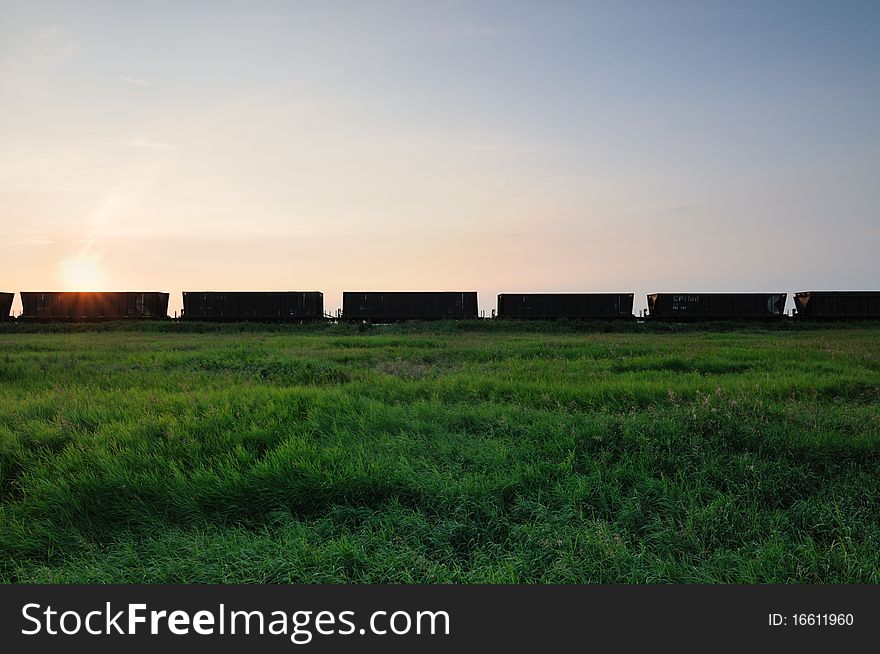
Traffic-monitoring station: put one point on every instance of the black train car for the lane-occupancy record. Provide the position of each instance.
(76, 306)
(716, 306)
(268, 306)
(838, 305)
(6, 305)
(384, 306)
(551, 306)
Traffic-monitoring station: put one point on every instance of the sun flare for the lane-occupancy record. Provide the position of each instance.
(81, 273)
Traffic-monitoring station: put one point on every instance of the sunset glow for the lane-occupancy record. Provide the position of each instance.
(406, 146)
(82, 273)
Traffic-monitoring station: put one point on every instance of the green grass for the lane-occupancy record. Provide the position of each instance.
(439, 453)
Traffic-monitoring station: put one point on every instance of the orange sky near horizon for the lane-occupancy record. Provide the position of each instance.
(438, 146)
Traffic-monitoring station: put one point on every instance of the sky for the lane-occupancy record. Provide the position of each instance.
(508, 146)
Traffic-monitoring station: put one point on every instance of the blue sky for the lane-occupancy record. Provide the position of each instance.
(495, 146)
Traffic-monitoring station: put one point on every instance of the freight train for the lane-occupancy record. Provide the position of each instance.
(258, 306)
(55, 306)
(716, 306)
(409, 305)
(830, 305)
(6, 305)
(553, 306)
(396, 306)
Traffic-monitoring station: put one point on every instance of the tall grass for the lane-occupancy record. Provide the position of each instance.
(439, 453)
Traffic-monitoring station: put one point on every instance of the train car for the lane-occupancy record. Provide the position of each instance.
(552, 306)
(395, 306)
(716, 306)
(838, 305)
(261, 306)
(76, 306)
(6, 305)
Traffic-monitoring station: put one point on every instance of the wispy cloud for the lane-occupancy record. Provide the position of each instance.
(468, 31)
(34, 241)
(45, 49)
(137, 81)
(261, 19)
(149, 144)
(505, 148)
(46, 33)
(83, 266)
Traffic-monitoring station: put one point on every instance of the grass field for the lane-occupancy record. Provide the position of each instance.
(441, 453)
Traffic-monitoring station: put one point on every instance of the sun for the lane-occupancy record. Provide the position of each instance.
(81, 273)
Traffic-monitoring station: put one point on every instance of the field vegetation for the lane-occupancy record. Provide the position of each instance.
(439, 453)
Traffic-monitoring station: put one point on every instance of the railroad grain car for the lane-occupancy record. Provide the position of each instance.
(552, 306)
(88, 306)
(6, 305)
(265, 306)
(838, 305)
(716, 306)
(395, 306)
